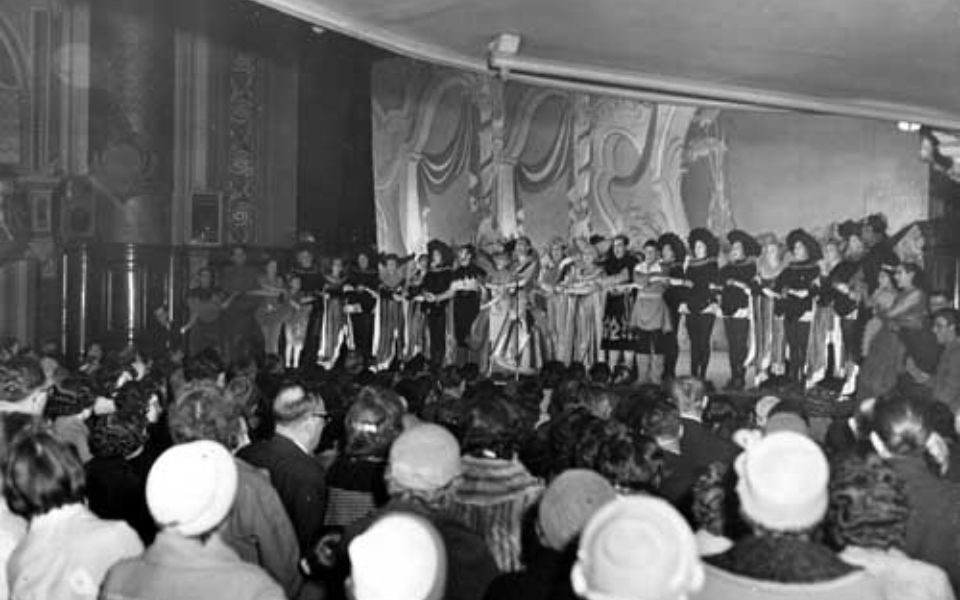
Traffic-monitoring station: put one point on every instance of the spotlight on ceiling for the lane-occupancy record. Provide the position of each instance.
(505, 43)
(908, 127)
(317, 30)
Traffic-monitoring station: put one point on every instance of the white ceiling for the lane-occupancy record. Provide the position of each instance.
(895, 59)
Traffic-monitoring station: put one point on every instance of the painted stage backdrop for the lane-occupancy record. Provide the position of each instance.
(463, 157)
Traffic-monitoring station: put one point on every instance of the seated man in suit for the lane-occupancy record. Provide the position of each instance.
(288, 456)
(697, 443)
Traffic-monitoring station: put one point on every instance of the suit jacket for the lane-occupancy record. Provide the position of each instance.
(701, 446)
(259, 530)
(300, 481)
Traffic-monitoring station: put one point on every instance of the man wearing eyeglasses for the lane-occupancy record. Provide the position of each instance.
(289, 457)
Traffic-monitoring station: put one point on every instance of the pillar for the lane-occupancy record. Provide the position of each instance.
(131, 119)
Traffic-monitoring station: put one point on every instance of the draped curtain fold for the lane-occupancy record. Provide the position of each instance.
(557, 163)
(437, 171)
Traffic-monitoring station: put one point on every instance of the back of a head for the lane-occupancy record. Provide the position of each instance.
(373, 421)
(400, 555)
(20, 379)
(117, 435)
(568, 503)
(292, 404)
(688, 394)
(203, 412)
(488, 429)
(662, 421)
(41, 473)
(900, 424)
(869, 504)
(637, 547)
(424, 458)
(205, 365)
(204, 468)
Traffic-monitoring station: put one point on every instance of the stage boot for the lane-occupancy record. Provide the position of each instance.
(656, 368)
(643, 368)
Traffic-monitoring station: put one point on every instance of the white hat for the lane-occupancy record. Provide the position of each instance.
(400, 557)
(783, 482)
(424, 457)
(637, 548)
(191, 487)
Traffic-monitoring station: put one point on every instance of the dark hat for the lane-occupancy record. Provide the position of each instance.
(814, 252)
(750, 245)
(622, 236)
(676, 244)
(849, 228)
(596, 239)
(702, 234)
(445, 253)
(877, 222)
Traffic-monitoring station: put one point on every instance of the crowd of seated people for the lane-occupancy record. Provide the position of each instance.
(136, 476)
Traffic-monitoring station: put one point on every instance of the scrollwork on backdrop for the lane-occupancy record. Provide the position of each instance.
(242, 149)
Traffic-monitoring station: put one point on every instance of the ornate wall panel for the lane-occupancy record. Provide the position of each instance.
(541, 162)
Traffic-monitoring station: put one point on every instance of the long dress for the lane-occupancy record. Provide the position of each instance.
(554, 306)
(516, 341)
(581, 340)
(826, 331)
(205, 306)
(272, 312)
(362, 299)
(415, 342)
(389, 331)
(769, 332)
(438, 316)
(466, 283)
(335, 325)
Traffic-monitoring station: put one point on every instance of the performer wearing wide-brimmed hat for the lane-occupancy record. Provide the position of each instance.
(702, 275)
(673, 254)
(797, 284)
(436, 284)
(736, 302)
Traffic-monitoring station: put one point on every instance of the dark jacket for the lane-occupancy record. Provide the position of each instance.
(470, 565)
(259, 530)
(933, 529)
(546, 577)
(797, 276)
(733, 297)
(355, 486)
(116, 490)
(704, 275)
(703, 446)
(785, 560)
(300, 481)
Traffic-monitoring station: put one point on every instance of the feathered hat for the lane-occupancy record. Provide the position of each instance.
(750, 245)
(814, 252)
(702, 234)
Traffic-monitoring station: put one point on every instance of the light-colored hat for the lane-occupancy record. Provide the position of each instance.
(425, 457)
(400, 557)
(191, 487)
(637, 548)
(783, 482)
(569, 502)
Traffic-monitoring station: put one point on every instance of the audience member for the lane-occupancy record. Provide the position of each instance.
(67, 550)
(637, 547)
(257, 527)
(422, 473)
(783, 495)
(400, 556)
(566, 506)
(869, 509)
(287, 455)
(189, 559)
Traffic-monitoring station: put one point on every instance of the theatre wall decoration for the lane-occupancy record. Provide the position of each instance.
(464, 157)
